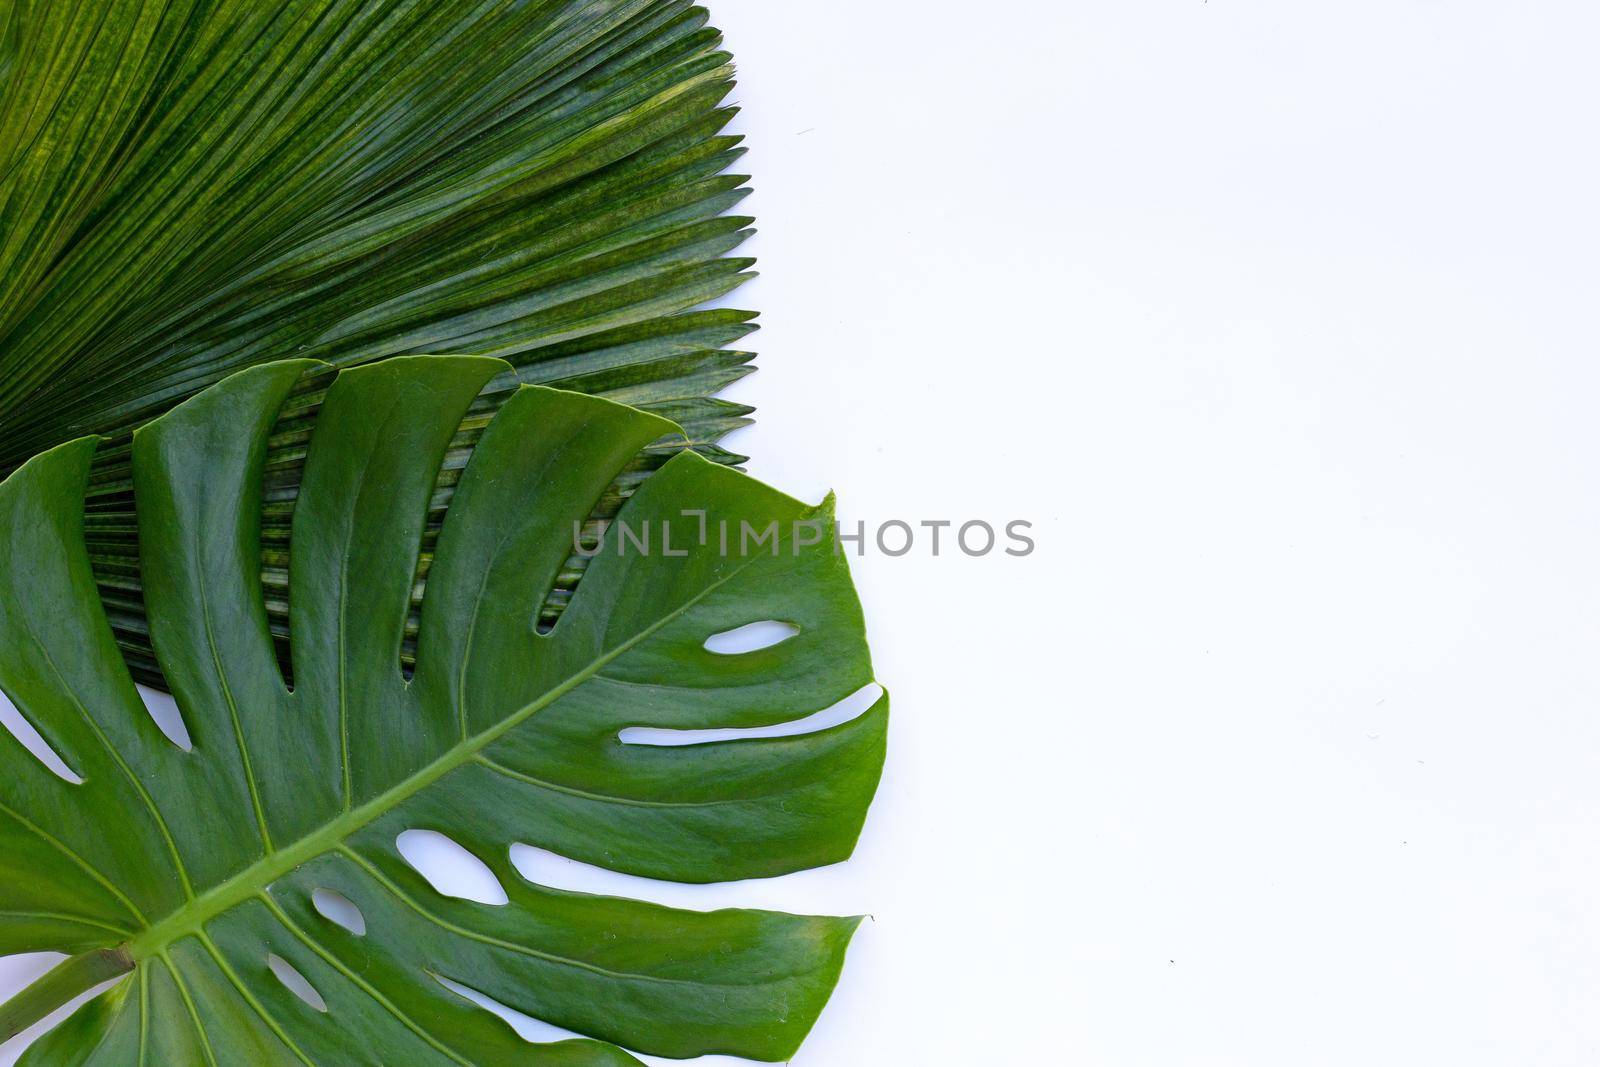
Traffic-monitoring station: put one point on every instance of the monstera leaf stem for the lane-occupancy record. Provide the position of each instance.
(59, 986)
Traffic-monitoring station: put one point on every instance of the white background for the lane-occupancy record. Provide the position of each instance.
(1278, 322)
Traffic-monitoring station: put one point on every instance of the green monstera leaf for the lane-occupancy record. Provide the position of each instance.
(194, 872)
(192, 187)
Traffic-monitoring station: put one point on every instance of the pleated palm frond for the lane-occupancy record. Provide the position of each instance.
(188, 187)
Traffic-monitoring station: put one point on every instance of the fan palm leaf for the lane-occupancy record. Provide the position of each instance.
(189, 187)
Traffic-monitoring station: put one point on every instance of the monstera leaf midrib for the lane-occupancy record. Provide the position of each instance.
(192, 866)
(279, 861)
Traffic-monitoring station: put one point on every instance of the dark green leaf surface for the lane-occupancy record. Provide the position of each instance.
(202, 863)
(189, 187)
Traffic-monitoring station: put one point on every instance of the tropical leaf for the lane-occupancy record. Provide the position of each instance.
(189, 187)
(190, 868)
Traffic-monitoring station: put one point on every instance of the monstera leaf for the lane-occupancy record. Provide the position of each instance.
(191, 187)
(195, 872)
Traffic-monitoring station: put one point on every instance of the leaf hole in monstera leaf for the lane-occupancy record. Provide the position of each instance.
(751, 637)
(29, 738)
(526, 1026)
(449, 867)
(552, 870)
(339, 910)
(168, 719)
(796, 891)
(295, 982)
(851, 707)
